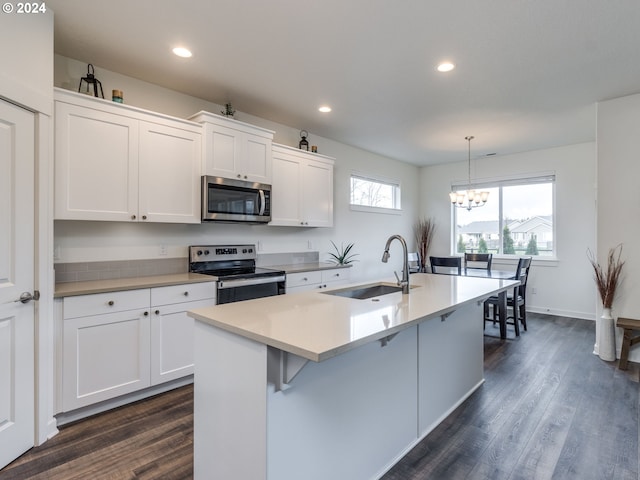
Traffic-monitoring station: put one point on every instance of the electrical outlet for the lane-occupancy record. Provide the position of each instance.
(310, 245)
(259, 246)
(163, 249)
(534, 290)
(56, 252)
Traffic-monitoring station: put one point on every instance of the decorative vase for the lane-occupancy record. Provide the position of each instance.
(607, 337)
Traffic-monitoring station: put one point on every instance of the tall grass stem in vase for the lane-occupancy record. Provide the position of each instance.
(607, 281)
(424, 230)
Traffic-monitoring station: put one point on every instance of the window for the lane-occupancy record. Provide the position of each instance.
(370, 193)
(517, 219)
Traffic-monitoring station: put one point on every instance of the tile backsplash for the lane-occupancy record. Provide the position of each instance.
(84, 271)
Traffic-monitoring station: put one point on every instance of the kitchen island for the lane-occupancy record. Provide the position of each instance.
(315, 386)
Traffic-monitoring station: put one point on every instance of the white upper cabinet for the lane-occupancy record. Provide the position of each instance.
(234, 149)
(302, 188)
(120, 163)
(169, 183)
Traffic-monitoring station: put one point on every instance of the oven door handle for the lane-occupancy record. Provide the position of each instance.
(263, 203)
(246, 282)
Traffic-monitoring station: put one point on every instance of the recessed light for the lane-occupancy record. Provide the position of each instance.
(324, 109)
(182, 52)
(446, 67)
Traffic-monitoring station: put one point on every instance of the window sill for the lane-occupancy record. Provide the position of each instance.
(386, 211)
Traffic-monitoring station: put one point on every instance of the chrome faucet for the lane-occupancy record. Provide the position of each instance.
(404, 283)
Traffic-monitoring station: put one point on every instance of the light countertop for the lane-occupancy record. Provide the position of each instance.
(69, 289)
(318, 326)
(306, 267)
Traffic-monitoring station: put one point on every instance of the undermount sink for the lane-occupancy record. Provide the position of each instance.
(363, 292)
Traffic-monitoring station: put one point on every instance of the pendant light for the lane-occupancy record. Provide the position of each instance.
(472, 198)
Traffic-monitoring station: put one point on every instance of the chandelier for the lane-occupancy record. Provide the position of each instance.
(470, 199)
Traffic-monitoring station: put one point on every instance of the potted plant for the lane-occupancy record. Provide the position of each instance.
(342, 255)
(424, 230)
(607, 281)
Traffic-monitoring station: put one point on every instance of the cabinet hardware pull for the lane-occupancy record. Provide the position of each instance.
(157, 312)
(146, 314)
(144, 217)
(186, 294)
(111, 303)
(239, 176)
(133, 217)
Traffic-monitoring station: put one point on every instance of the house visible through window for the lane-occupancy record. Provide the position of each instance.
(517, 219)
(374, 193)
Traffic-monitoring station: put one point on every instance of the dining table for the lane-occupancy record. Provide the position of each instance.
(502, 296)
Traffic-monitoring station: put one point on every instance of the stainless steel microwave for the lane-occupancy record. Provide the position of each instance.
(229, 200)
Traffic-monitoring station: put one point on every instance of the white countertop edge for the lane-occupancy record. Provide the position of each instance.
(71, 289)
(345, 347)
(306, 267)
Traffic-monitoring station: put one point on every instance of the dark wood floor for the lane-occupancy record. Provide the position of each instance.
(549, 409)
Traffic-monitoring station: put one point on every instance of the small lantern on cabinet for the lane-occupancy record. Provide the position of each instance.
(91, 79)
(304, 144)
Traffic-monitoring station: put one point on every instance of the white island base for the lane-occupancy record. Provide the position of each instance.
(348, 417)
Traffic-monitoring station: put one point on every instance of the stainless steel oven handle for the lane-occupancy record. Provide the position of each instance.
(222, 284)
(263, 203)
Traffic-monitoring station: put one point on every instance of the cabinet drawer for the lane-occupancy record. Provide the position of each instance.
(183, 293)
(303, 278)
(335, 275)
(101, 303)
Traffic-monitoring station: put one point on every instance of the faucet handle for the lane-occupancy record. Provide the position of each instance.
(397, 278)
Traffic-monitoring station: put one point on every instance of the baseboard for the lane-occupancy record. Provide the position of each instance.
(562, 313)
(84, 412)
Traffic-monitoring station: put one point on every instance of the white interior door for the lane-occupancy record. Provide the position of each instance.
(17, 158)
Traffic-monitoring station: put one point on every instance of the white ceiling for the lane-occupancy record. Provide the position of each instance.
(528, 72)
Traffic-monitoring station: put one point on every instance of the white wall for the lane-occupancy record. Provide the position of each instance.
(96, 241)
(564, 287)
(27, 67)
(618, 199)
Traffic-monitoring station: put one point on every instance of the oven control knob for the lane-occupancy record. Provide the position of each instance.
(199, 252)
(251, 250)
(206, 252)
(244, 250)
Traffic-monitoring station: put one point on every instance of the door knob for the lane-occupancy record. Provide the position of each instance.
(26, 297)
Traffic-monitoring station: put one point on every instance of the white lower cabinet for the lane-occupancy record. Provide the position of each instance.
(121, 342)
(172, 329)
(316, 279)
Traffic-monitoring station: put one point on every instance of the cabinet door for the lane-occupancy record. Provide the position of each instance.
(170, 161)
(286, 208)
(317, 192)
(222, 151)
(172, 340)
(257, 162)
(104, 356)
(96, 164)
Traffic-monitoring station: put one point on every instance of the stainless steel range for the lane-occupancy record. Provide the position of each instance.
(234, 268)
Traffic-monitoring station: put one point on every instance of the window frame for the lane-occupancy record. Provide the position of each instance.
(500, 183)
(397, 194)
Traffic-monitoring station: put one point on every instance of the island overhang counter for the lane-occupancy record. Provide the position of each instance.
(313, 385)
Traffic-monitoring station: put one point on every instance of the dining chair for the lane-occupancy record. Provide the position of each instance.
(446, 265)
(517, 300)
(478, 261)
